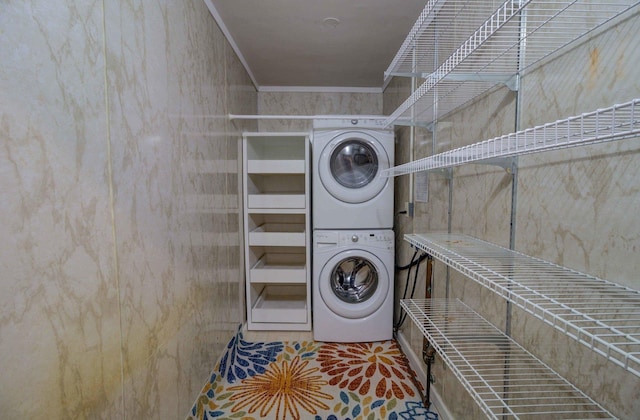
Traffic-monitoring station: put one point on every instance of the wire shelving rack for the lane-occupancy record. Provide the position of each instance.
(461, 55)
(517, 37)
(505, 380)
(425, 43)
(600, 314)
(616, 122)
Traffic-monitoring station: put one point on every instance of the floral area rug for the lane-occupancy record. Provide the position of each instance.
(310, 380)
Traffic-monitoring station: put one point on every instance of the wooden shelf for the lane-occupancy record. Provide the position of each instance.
(282, 234)
(280, 268)
(276, 166)
(281, 305)
(276, 201)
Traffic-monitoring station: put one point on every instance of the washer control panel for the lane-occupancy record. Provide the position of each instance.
(366, 238)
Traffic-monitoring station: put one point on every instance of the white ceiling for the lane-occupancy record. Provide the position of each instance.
(286, 43)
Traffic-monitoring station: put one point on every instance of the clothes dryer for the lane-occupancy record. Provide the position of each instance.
(347, 189)
(353, 285)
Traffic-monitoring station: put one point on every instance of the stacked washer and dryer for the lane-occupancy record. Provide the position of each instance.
(352, 218)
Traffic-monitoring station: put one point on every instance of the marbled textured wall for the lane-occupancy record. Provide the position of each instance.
(574, 207)
(314, 103)
(120, 259)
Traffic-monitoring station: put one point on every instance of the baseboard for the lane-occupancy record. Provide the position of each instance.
(421, 372)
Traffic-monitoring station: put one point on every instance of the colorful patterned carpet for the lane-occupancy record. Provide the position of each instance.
(311, 380)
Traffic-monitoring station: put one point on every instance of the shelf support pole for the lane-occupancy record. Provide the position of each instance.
(412, 142)
(449, 222)
(514, 181)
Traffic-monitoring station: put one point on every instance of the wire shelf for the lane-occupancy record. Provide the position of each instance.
(505, 380)
(426, 41)
(600, 314)
(518, 36)
(608, 124)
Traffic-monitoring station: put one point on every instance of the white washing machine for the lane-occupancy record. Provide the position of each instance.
(348, 191)
(353, 285)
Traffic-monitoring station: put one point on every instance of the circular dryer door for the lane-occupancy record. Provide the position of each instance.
(350, 165)
(354, 284)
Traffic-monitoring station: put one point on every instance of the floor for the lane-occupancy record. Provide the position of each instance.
(286, 336)
(287, 375)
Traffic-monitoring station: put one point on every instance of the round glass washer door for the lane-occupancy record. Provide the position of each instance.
(354, 284)
(350, 165)
(354, 163)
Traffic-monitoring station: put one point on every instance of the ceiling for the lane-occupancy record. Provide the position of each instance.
(316, 43)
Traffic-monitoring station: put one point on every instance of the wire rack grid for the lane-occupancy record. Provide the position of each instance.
(440, 29)
(598, 313)
(616, 122)
(518, 36)
(505, 380)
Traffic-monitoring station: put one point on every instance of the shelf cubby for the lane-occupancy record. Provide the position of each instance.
(276, 148)
(277, 229)
(281, 305)
(286, 234)
(282, 191)
(287, 268)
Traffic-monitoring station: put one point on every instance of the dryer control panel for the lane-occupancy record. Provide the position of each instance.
(355, 121)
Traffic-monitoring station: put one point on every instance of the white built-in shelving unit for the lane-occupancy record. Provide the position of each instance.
(464, 50)
(276, 225)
